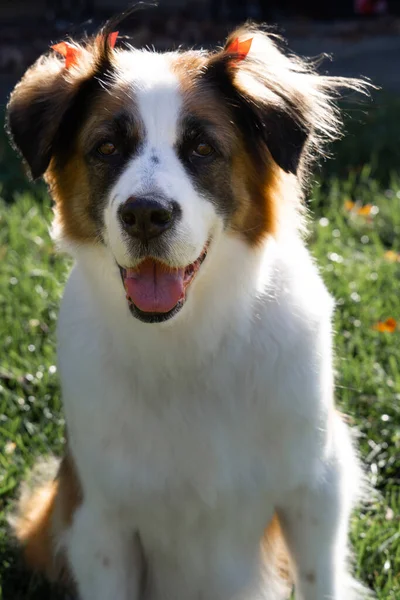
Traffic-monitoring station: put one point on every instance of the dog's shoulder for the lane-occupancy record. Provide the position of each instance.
(292, 296)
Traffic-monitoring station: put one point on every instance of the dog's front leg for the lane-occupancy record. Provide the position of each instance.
(102, 555)
(315, 520)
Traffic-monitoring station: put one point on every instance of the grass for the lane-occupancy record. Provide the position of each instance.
(352, 250)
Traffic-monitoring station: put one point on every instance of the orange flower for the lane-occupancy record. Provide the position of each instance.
(392, 256)
(349, 205)
(365, 210)
(388, 326)
(368, 210)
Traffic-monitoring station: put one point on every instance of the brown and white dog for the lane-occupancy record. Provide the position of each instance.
(194, 336)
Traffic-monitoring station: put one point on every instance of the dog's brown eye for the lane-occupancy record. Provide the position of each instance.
(203, 149)
(107, 149)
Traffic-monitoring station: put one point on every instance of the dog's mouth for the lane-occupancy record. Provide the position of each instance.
(156, 291)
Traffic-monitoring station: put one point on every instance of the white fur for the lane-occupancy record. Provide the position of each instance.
(192, 433)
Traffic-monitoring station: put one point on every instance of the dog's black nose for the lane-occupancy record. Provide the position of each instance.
(146, 218)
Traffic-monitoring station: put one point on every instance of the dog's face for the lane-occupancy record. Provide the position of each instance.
(156, 156)
(167, 164)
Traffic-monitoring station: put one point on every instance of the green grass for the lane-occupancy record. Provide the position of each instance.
(351, 252)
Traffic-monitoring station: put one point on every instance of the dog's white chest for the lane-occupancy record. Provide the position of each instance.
(148, 431)
(188, 443)
(186, 468)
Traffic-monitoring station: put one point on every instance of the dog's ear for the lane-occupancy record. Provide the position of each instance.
(39, 104)
(259, 86)
(279, 101)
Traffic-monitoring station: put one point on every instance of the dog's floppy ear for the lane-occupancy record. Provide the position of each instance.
(45, 98)
(279, 101)
(39, 103)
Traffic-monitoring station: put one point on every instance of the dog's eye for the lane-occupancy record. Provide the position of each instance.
(203, 149)
(107, 149)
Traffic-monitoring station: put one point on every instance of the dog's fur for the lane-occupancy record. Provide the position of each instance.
(202, 441)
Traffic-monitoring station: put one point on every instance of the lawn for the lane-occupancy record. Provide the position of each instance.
(355, 236)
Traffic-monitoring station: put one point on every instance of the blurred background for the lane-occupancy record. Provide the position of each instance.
(354, 234)
(358, 37)
(363, 35)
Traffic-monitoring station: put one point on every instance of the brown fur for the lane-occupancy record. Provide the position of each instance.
(44, 514)
(78, 190)
(273, 548)
(255, 193)
(38, 105)
(70, 189)
(33, 527)
(258, 196)
(200, 100)
(292, 107)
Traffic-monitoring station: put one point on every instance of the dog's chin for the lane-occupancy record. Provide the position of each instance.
(156, 291)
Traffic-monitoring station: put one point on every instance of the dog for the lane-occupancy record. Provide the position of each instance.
(204, 455)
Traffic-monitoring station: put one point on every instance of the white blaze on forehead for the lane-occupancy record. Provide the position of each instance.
(156, 91)
(156, 96)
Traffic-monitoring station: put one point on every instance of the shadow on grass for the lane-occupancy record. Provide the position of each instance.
(17, 583)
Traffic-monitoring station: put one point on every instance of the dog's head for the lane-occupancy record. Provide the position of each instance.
(157, 157)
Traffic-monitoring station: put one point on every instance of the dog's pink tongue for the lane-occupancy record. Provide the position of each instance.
(153, 288)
